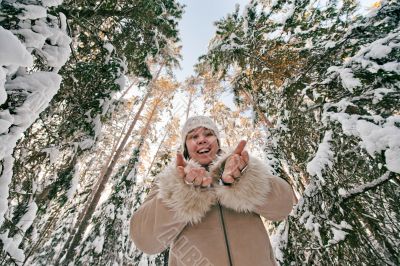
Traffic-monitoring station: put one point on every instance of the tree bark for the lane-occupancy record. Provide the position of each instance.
(259, 112)
(84, 217)
(155, 155)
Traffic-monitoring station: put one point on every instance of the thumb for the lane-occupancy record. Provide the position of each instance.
(240, 147)
(181, 171)
(180, 161)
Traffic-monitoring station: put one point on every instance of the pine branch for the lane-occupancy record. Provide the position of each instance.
(366, 187)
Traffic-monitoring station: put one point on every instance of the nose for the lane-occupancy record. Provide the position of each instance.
(201, 139)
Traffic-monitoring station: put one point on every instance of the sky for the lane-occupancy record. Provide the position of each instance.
(196, 29)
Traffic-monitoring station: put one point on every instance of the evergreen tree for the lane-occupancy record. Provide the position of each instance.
(328, 79)
(109, 41)
(109, 241)
(34, 46)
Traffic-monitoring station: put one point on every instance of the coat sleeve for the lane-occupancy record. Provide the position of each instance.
(168, 208)
(153, 226)
(257, 191)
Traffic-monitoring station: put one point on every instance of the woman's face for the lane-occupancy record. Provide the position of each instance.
(202, 145)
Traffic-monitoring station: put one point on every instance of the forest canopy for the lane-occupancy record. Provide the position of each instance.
(90, 113)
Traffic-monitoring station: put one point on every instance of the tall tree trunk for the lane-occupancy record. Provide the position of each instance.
(189, 104)
(264, 119)
(156, 154)
(86, 214)
(126, 91)
(115, 145)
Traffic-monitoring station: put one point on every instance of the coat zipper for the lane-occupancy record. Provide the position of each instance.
(225, 235)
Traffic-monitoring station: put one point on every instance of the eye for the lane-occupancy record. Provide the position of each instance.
(209, 133)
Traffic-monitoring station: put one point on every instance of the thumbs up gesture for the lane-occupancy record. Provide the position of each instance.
(196, 176)
(236, 164)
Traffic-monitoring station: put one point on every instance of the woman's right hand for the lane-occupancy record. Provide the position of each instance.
(196, 176)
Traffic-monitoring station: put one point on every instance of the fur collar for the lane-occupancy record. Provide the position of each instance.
(191, 204)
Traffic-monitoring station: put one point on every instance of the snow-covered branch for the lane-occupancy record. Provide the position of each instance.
(367, 186)
(322, 158)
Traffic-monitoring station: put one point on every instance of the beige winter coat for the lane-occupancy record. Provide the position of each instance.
(220, 225)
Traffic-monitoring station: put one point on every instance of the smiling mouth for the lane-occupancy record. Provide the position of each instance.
(204, 151)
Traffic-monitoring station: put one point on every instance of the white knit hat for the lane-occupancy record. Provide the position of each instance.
(198, 121)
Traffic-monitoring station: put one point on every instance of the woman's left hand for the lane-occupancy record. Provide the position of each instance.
(235, 163)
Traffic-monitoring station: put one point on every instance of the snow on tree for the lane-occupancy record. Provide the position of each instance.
(327, 77)
(320, 76)
(34, 46)
(109, 239)
(59, 133)
(235, 125)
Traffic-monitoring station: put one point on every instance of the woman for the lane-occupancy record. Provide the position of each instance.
(207, 209)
